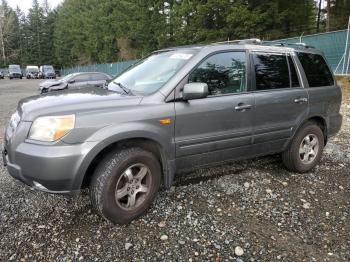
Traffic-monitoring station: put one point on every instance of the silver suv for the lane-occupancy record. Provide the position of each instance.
(178, 108)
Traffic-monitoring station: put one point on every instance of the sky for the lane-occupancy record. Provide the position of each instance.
(24, 5)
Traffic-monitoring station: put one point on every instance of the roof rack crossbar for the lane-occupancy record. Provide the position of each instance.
(257, 41)
(295, 45)
(241, 41)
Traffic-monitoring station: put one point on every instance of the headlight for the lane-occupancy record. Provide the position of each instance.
(51, 128)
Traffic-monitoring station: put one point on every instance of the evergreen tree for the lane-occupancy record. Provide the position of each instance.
(100, 31)
(9, 45)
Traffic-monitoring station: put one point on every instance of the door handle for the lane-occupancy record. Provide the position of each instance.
(300, 100)
(242, 107)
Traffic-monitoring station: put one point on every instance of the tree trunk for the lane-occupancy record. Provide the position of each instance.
(2, 42)
(318, 16)
(328, 15)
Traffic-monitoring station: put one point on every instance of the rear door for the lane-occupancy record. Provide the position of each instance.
(280, 99)
(324, 93)
(218, 127)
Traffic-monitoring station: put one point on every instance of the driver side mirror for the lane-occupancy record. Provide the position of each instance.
(195, 91)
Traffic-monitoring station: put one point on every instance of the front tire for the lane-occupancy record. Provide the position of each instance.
(306, 149)
(125, 184)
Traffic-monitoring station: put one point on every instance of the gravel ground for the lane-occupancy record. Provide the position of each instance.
(245, 211)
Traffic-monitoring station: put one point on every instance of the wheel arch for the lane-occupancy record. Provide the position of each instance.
(145, 143)
(318, 120)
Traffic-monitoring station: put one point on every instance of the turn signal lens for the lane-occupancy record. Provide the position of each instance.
(165, 121)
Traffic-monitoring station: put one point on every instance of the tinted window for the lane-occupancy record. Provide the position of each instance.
(82, 78)
(316, 70)
(293, 73)
(224, 73)
(96, 77)
(271, 71)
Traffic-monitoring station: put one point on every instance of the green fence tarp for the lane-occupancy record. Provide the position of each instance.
(332, 44)
(110, 68)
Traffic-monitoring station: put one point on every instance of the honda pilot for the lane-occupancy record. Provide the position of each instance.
(179, 108)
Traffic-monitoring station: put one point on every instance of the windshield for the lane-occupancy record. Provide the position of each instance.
(67, 77)
(32, 70)
(151, 73)
(48, 69)
(14, 68)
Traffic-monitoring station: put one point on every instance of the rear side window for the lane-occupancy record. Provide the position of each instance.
(271, 71)
(225, 73)
(316, 70)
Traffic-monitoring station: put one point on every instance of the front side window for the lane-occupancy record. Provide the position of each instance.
(224, 73)
(316, 70)
(97, 77)
(271, 71)
(153, 72)
(82, 78)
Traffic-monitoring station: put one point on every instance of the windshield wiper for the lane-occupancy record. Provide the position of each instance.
(124, 88)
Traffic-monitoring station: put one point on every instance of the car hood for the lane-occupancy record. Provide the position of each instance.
(50, 83)
(73, 101)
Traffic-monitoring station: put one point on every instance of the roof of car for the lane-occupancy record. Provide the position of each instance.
(248, 45)
(82, 73)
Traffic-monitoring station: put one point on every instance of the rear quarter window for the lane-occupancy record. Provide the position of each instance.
(316, 70)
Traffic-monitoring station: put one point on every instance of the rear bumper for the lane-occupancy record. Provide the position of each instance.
(334, 125)
(53, 169)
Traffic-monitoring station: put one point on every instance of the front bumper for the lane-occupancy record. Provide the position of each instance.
(50, 168)
(50, 75)
(15, 75)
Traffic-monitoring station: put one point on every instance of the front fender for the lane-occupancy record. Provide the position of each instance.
(108, 135)
(162, 134)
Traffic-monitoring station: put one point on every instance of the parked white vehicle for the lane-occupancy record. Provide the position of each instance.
(32, 72)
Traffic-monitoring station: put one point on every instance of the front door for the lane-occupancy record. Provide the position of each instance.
(280, 100)
(80, 81)
(219, 127)
(97, 80)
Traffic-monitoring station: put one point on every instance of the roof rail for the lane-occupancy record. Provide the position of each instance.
(295, 45)
(254, 41)
(257, 41)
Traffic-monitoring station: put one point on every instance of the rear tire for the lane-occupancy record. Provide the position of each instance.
(306, 149)
(125, 184)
